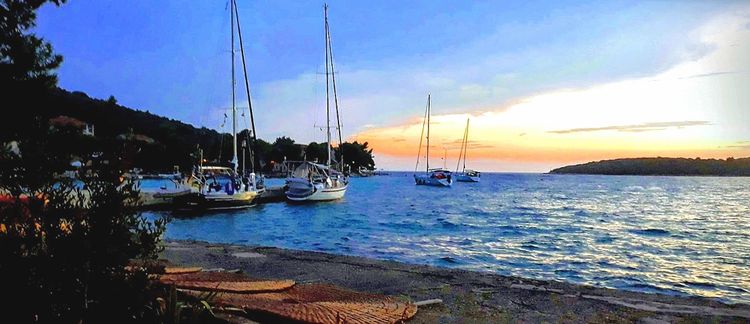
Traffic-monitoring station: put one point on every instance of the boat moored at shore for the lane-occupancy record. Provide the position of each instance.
(308, 181)
(315, 182)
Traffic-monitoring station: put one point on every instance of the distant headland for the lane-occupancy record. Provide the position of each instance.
(662, 166)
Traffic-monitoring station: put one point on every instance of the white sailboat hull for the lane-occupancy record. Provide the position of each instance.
(466, 178)
(426, 180)
(303, 190)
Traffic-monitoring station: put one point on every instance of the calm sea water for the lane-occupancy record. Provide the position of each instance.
(673, 235)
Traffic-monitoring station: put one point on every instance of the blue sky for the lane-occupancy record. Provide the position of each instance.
(172, 57)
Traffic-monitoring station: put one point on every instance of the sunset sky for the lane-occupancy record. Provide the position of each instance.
(545, 84)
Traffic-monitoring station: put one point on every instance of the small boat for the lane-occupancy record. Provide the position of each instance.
(364, 172)
(381, 172)
(432, 177)
(164, 195)
(467, 175)
(310, 181)
(315, 182)
(220, 187)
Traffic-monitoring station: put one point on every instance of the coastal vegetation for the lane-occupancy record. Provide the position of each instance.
(155, 143)
(64, 244)
(662, 166)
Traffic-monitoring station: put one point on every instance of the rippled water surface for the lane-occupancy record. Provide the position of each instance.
(673, 235)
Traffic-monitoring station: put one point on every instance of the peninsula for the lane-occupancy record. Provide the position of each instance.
(662, 166)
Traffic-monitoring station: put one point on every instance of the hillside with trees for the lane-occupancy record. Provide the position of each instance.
(151, 142)
(662, 166)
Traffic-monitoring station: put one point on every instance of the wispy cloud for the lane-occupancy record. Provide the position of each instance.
(645, 127)
(705, 75)
(745, 145)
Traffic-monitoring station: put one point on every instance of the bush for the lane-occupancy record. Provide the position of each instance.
(65, 244)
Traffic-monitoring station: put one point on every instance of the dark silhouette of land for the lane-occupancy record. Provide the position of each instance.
(662, 166)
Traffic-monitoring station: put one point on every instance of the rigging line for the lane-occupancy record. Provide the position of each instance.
(466, 147)
(234, 100)
(428, 131)
(247, 88)
(335, 95)
(421, 136)
(328, 101)
(461, 150)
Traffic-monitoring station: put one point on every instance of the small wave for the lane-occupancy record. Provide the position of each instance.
(466, 242)
(447, 224)
(449, 260)
(605, 239)
(651, 232)
(697, 284)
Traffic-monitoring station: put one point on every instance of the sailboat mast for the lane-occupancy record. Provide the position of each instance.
(234, 104)
(462, 152)
(249, 99)
(328, 101)
(466, 142)
(421, 138)
(428, 132)
(335, 95)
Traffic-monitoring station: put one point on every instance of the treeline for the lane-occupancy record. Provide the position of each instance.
(662, 166)
(156, 143)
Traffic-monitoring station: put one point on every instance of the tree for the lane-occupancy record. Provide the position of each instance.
(65, 245)
(316, 152)
(357, 155)
(285, 148)
(25, 59)
(27, 64)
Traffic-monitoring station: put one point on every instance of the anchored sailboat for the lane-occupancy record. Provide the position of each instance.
(312, 181)
(431, 177)
(220, 187)
(466, 175)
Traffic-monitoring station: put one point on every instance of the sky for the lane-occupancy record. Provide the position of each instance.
(544, 83)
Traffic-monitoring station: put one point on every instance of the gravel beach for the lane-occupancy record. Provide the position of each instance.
(466, 296)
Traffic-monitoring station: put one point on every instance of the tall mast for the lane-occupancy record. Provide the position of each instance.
(234, 105)
(249, 99)
(428, 131)
(328, 101)
(335, 95)
(421, 137)
(466, 142)
(462, 152)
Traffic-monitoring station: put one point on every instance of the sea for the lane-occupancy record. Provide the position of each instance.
(686, 236)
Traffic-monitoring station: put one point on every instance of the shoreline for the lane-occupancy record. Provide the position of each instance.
(466, 295)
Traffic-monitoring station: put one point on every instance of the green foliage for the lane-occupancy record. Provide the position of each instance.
(662, 166)
(316, 152)
(358, 155)
(65, 244)
(25, 59)
(284, 148)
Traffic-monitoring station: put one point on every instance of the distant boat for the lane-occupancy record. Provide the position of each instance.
(317, 182)
(431, 177)
(466, 175)
(220, 187)
(380, 172)
(364, 172)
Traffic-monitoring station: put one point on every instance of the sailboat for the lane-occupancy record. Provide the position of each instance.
(221, 187)
(317, 182)
(431, 177)
(466, 175)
